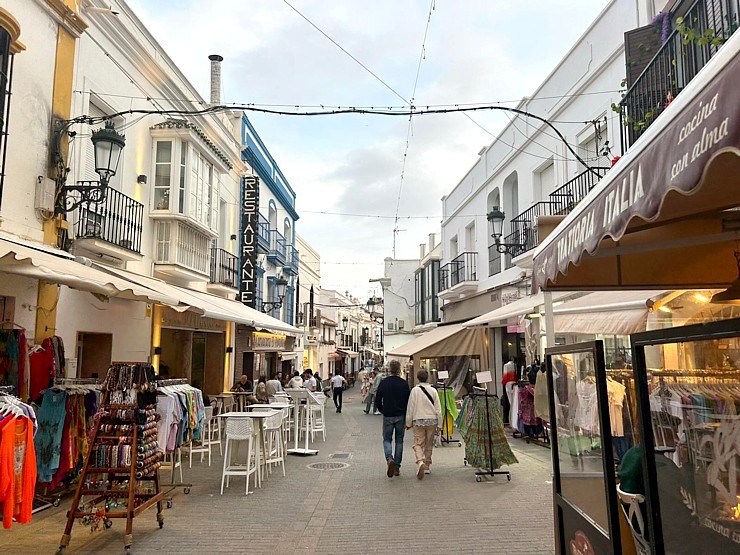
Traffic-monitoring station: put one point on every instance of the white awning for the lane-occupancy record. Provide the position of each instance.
(56, 266)
(211, 306)
(499, 316)
(613, 312)
(426, 340)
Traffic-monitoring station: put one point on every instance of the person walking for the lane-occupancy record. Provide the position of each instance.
(337, 385)
(373, 389)
(424, 415)
(391, 400)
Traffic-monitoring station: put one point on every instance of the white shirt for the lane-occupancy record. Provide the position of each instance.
(272, 387)
(310, 384)
(338, 381)
(295, 382)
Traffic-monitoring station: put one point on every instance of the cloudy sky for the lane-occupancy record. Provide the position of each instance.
(476, 51)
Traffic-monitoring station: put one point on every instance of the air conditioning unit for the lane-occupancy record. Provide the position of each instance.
(391, 326)
(401, 324)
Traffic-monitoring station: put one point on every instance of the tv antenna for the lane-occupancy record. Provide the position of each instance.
(396, 231)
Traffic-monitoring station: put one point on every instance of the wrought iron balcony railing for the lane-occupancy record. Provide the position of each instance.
(444, 277)
(117, 220)
(565, 198)
(464, 267)
(697, 36)
(494, 261)
(224, 268)
(291, 264)
(278, 248)
(263, 234)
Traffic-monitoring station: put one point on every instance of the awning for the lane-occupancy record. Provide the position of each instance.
(289, 355)
(612, 313)
(431, 338)
(499, 316)
(372, 351)
(661, 217)
(346, 352)
(56, 266)
(210, 306)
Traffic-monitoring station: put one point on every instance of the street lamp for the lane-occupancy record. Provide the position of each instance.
(495, 225)
(108, 145)
(280, 285)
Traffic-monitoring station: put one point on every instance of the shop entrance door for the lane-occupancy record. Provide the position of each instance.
(584, 485)
(94, 352)
(688, 392)
(198, 373)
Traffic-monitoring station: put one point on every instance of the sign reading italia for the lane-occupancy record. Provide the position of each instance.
(248, 248)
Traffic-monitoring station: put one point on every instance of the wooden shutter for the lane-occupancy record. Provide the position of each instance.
(640, 46)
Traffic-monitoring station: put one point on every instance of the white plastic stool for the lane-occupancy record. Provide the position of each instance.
(238, 429)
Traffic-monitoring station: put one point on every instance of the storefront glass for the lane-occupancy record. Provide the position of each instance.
(690, 387)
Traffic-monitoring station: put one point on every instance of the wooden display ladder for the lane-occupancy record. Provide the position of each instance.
(106, 493)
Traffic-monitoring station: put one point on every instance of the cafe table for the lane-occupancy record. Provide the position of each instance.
(241, 398)
(260, 418)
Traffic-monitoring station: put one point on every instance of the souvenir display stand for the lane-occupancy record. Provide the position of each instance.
(584, 483)
(301, 396)
(119, 477)
(688, 394)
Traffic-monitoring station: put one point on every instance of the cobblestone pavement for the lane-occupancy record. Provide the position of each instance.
(355, 510)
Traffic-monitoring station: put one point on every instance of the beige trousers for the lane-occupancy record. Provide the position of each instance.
(424, 443)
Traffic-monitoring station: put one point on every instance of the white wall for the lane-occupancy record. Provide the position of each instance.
(398, 301)
(595, 64)
(30, 118)
(127, 321)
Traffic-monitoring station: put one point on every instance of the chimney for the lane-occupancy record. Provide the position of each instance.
(432, 241)
(215, 78)
(422, 250)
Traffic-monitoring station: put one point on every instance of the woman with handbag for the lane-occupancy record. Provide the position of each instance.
(424, 415)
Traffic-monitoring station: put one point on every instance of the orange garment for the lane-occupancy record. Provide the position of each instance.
(17, 481)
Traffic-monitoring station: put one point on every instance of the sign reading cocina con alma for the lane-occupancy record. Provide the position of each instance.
(248, 238)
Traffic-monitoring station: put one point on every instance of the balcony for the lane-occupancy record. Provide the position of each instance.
(263, 235)
(695, 38)
(278, 248)
(112, 227)
(291, 265)
(494, 261)
(224, 272)
(564, 199)
(461, 276)
(181, 253)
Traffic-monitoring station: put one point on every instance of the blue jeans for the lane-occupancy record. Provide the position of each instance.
(370, 403)
(391, 424)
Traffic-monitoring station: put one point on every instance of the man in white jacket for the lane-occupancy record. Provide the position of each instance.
(424, 414)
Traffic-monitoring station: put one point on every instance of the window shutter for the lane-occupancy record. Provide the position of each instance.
(640, 46)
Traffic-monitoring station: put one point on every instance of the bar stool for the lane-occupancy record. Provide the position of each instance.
(274, 446)
(204, 445)
(630, 503)
(315, 409)
(238, 429)
(216, 427)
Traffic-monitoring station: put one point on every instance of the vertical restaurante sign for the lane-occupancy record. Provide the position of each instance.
(248, 239)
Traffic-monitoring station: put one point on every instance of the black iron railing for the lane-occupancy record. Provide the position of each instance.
(263, 234)
(523, 227)
(291, 263)
(464, 267)
(224, 268)
(697, 36)
(565, 198)
(494, 261)
(117, 220)
(444, 277)
(278, 248)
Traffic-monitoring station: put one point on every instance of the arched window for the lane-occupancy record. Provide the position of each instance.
(272, 214)
(288, 231)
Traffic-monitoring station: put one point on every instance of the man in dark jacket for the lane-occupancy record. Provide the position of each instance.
(391, 400)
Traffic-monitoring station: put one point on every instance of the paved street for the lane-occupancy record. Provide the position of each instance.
(355, 510)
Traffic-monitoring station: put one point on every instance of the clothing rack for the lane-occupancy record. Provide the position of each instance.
(76, 381)
(174, 464)
(448, 437)
(490, 471)
(7, 389)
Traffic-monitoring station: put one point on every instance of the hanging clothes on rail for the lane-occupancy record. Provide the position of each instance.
(181, 415)
(17, 460)
(482, 428)
(14, 360)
